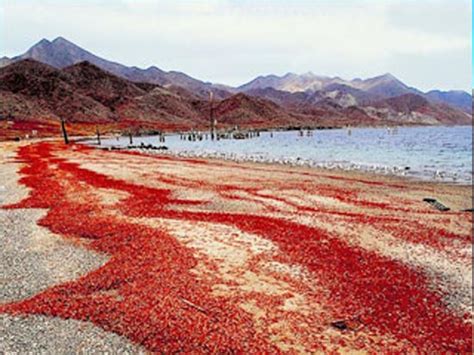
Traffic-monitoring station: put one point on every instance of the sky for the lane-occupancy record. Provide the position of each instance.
(425, 43)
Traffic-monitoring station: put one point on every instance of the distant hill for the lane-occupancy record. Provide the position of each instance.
(102, 86)
(456, 98)
(58, 79)
(290, 82)
(357, 91)
(83, 93)
(48, 93)
(61, 53)
(384, 86)
(244, 110)
(348, 105)
(416, 108)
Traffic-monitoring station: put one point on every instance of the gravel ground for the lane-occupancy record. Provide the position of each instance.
(10, 190)
(45, 335)
(33, 259)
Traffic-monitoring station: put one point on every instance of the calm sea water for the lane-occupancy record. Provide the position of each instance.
(429, 153)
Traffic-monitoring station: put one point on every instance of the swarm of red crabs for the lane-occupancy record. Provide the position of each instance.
(147, 292)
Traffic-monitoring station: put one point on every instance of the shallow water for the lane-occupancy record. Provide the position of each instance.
(428, 153)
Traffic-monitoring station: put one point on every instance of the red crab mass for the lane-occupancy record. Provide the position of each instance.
(147, 292)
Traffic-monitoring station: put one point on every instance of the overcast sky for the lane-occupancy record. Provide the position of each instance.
(425, 43)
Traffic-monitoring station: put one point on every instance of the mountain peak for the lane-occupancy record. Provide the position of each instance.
(42, 42)
(268, 76)
(62, 40)
(45, 45)
(388, 76)
(309, 74)
(58, 53)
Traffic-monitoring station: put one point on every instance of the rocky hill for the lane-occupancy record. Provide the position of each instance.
(57, 79)
(85, 94)
(356, 91)
(61, 53)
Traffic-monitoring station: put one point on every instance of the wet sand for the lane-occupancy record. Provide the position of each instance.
(210, 255)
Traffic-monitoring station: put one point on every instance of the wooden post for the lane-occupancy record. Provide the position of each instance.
(211, 116)
(63, 129)
(98, 135)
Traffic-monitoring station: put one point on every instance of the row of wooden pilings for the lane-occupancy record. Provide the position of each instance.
(196, 135)
(199, 136)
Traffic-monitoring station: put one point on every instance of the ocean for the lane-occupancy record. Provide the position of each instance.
(426, 153)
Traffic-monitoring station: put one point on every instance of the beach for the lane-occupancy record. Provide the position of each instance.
(439, 153)
(159, 253)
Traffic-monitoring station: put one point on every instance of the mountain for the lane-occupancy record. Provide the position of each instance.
(165, 108)
(341, 105)
(47, 93)
(100, 85)
(338, 94)
(61, 53)
(289, 100)
(350, 92)
(414, 108)
(68, 82)
(405, 103)
(456, 98)
(343, 95)
(290, 82)
(4, 61)
(244, 110)
(384, 86)
(84, 94)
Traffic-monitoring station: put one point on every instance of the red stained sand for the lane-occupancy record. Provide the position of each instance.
(139, 292)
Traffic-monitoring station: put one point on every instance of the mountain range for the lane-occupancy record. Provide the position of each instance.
(58, 79)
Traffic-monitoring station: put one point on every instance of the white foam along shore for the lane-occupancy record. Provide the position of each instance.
(400, 171)
(441, 154)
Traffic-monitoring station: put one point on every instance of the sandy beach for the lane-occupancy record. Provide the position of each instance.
(148, 253)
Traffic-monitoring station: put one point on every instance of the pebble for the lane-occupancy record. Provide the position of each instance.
(48, 335)
(33, 259)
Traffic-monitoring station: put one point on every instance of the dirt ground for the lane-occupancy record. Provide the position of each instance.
(201, 255)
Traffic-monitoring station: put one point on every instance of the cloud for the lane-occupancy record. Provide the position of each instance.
(231, 41)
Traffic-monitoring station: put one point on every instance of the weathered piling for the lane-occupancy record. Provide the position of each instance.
(63, 129)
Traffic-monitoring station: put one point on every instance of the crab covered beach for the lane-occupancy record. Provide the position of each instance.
(155, 253)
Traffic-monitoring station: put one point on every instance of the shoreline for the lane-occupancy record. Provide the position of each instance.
(285, 258)
(290, 162)
(406, 154)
